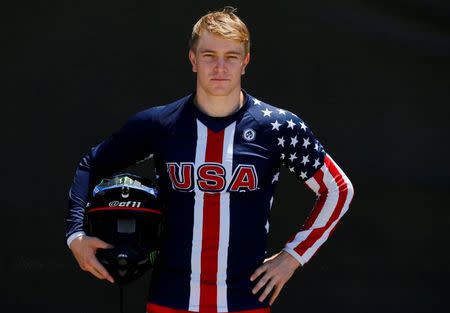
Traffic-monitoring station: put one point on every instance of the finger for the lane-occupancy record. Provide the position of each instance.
(267, 290)
(98, 243)
(275, 294)
(94, 272)
(258, 272)
(101, 270)
(262, 281)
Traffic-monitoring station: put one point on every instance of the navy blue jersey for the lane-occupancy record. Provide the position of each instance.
(217, 177)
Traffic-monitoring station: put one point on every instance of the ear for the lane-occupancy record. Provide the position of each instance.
(193, 60)
(245, 63)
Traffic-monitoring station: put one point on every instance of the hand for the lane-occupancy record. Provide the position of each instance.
(83, 249)
(277, 270)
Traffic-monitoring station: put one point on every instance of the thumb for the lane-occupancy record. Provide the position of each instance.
(98, 243)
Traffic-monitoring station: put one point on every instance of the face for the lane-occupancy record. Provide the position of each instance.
(219, 64)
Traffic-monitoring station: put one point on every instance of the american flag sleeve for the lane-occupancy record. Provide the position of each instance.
(334, 194)
(305, 157)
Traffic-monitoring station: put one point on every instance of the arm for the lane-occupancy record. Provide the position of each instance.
(335, 192)
(132, 143)
(305, 157)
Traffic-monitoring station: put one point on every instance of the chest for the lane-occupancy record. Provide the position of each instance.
(236, 158)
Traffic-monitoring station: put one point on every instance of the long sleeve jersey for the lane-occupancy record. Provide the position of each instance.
(217, 177)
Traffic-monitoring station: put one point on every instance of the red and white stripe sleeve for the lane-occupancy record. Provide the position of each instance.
(335, 193)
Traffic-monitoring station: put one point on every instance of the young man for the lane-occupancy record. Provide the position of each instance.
(218, 153)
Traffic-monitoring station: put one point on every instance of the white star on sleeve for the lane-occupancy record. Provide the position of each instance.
(305, 159)
(275, 125)
(256, 101)
(275, 177)
(316, 146)
(291, 169)
(303, 175)
(294, 141)
(303, 126)
(291, 124)
(293, 157)
(280, 111)
(316, 163)
(281, 141)
(306, 142)
(266, 112)
(282, 156)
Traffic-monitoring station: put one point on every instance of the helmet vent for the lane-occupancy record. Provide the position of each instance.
(126, 226)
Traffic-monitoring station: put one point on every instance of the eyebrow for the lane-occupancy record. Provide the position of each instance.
(212, 51)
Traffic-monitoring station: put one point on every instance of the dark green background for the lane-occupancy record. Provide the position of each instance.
(370, 77)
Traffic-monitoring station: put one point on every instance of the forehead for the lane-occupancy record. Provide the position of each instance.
(212, 42)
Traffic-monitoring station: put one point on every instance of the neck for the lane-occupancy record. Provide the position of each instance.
(219, 106)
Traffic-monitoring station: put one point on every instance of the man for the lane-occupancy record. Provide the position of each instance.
(218, 154)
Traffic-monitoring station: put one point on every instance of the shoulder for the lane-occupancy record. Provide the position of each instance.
(160, 115)
(273, 117)
(162, 111)
(282, 125)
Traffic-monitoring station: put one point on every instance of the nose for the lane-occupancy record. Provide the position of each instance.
(220, 64)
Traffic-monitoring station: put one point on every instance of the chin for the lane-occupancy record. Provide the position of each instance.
(220, 90)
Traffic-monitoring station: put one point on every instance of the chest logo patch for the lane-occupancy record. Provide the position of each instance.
(211, 177)
(249, 134)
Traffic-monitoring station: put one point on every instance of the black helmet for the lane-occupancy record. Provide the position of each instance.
(124, 211)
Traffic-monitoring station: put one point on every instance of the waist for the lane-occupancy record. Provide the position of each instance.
(155, 308)
(184, 291)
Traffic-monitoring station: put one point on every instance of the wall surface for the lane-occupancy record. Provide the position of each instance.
(370, 77)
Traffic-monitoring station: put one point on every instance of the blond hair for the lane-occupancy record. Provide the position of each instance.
(223, 23)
